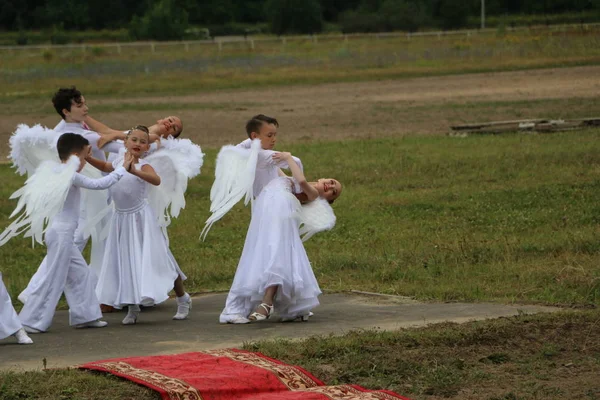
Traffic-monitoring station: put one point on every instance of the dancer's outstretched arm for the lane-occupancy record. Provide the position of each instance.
(109, 133)
(310, 192)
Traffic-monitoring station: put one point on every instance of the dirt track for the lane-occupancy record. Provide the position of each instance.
(350, 110)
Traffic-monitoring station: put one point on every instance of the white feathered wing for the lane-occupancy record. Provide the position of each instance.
(234, 180)
(40, 199)
(314, 217)
(30, 146)
(176, 162)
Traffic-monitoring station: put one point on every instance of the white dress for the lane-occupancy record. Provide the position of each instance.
(138, 267)
(9, 321)
(274, 255)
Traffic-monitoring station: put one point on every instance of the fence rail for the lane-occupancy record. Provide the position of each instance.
(220, 41)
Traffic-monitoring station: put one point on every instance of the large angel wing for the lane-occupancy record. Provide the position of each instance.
(314, 217)
(176, 161)
(234, 180)
(40, 199)
(30, 146)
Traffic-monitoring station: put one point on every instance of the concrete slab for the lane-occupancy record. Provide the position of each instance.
(156, 333)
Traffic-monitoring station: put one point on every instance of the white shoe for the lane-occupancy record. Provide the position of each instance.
(92, 324)
(233, 319)
(29, 329)
(183, 307)
(302, 318)
(256, 316)
(22, 337)
(132, 315)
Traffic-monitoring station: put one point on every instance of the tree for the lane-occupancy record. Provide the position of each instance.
(405, 15)
(453, 13)
(294, 16)
(68, 14)
(163, 21)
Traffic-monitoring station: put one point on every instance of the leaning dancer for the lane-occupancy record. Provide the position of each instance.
(274, 270)
(9, 321)
(53, 193)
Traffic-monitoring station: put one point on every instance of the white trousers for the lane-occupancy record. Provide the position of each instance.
(42, 271)
(9, 321)
(65, 271)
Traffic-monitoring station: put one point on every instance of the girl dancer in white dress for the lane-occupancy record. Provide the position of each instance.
(274, 270)
(138, 268)
(9, 321)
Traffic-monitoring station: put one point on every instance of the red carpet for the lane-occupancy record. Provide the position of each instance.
(229, 374)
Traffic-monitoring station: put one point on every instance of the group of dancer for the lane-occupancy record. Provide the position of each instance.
(126, 205)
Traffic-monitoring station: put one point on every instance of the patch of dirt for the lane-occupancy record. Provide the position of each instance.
(349, 110)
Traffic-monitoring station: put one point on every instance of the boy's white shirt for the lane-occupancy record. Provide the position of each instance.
(91, 136)
(267, 168)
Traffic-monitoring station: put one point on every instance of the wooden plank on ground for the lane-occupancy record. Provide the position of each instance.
(527, 125)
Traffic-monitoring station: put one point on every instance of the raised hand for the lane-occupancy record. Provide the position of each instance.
(128, 161)
(282, 156)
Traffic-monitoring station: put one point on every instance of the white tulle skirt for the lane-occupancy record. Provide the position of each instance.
(273, 255)
(138, 267)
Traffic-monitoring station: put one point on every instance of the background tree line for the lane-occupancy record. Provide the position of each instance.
(170, 19)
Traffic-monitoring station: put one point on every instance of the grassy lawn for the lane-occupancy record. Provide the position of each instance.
(509, 218)
(34, 73)
(552, 356)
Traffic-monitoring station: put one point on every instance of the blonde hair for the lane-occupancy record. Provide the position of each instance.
(141, 128)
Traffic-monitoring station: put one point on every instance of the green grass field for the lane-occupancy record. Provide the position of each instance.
(136, 71)
(547, 356)
(510, 218)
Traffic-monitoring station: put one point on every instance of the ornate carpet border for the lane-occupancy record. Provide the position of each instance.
(294, 378)
(169, 388)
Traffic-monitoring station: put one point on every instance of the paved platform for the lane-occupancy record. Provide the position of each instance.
(156, 333)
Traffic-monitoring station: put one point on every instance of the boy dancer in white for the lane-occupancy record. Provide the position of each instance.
(9, 321)
(67, 271)
(263, 128)
(70, 104)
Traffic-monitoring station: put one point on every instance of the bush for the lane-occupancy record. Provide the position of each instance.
(294, 16)
(59, 36)
(454, 14)
(22, 39)
(48, 55)
(98, 51)
(403, 15)
(354, 21)
(238, 29)
(163, 21)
